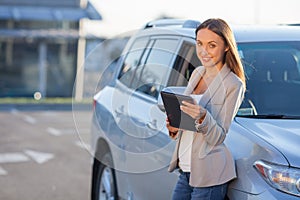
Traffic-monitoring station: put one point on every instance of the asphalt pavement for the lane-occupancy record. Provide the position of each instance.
(44, 154)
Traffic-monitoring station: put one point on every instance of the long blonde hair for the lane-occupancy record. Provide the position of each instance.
(232, 58)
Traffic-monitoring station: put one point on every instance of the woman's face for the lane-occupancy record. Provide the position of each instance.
(210, 48)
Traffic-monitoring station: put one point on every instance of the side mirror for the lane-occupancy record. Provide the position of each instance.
(173, 89)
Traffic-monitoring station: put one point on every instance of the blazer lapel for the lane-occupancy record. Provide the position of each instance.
(210, 92)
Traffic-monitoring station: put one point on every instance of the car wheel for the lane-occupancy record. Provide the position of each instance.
(103, 180)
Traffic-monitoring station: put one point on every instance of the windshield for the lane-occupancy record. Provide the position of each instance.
(273, 79)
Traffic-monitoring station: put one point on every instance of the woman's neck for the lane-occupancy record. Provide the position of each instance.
(211, 72)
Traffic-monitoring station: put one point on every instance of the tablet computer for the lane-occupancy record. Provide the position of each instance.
(176, 117)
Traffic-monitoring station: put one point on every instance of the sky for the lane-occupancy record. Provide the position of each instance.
(121, 16)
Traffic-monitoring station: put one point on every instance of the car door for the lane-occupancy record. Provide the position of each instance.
(168, 57)
(147, 146)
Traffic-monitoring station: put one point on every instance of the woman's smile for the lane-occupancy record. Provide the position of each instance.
(205, 59)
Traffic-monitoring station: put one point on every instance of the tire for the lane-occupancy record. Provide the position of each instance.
(103, 179)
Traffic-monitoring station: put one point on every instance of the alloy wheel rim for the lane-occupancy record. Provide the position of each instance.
(106, 185)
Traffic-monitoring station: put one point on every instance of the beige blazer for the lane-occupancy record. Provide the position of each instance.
(211, 162)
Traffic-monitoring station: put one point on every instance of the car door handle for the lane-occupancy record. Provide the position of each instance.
(119, 111)
(152, 125)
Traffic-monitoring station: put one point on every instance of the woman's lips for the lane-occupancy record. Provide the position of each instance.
(206, 59)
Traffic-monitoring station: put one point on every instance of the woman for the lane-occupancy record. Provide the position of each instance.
(205, 164)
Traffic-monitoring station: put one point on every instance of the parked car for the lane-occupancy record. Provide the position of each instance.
(130, 142)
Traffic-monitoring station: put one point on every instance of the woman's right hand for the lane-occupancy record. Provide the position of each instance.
(173, 132)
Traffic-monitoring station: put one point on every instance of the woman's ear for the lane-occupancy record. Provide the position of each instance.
(227, 48)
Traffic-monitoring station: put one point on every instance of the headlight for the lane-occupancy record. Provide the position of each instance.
(286, 179)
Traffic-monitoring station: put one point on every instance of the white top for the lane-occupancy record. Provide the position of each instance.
(185, 146)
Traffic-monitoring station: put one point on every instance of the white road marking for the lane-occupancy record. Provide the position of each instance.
(26, 118)
(13, 158)
(2, 172)
(39, 157)
(54, 131)
(29, 119)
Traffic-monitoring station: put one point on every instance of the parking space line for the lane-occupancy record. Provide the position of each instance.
(54, 131)
(26, 118)
(2, 172)
(39, 157)
(29, 119)
(13, 157)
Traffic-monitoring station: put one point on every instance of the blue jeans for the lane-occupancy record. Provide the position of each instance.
(183, 191)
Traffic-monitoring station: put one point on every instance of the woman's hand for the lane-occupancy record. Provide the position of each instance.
(172, 130)
(194, 110)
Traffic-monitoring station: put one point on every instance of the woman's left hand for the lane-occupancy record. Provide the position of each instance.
(192, 109)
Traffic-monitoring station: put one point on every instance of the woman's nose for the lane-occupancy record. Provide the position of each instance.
(203, 51)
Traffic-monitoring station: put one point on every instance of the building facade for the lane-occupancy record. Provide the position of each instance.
(42, 46)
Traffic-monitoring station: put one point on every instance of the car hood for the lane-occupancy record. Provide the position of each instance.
(283, 134)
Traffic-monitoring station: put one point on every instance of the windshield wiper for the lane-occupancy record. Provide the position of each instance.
(270, 116)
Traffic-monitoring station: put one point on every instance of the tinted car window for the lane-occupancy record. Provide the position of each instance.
(132, 60)
(185, 64)
(273, 73)
(152, 76)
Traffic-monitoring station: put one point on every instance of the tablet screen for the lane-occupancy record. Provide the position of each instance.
(176, 117)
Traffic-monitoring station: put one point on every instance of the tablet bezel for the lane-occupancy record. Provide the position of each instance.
(176, 117)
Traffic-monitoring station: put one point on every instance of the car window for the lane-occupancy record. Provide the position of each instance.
(186, 62)
(132, 60)
(273, 78)
(153, 74)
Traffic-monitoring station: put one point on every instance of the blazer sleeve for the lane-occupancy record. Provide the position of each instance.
(215, 128)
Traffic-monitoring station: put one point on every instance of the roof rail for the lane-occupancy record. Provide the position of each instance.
(173, 22)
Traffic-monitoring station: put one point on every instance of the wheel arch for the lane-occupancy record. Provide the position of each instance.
(102, 148)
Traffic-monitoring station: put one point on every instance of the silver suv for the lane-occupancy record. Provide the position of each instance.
(129, 139)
